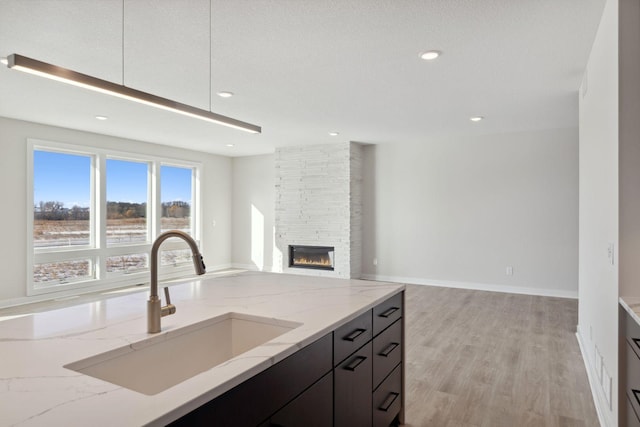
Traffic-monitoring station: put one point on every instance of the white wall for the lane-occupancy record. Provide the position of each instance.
(253, 203)
(598, 279)
(216, 192)
(454, 211)
(458, 211)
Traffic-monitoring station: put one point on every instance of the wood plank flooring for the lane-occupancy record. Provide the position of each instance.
(489, 359)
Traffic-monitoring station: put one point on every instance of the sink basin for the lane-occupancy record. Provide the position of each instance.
(162, 361)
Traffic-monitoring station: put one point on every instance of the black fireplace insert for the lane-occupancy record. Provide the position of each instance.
(315, 257)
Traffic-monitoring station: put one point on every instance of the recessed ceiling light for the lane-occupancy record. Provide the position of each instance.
(476, 118)
(225, 94)
(334, 133)
(229, 145)
(102, 117)
(430, 55)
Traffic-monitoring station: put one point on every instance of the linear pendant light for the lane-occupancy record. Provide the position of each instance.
(43, 69)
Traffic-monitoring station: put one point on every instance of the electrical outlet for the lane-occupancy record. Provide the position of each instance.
(509, 271)
(611, 253)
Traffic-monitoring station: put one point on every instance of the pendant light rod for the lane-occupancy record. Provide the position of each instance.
(43, 69)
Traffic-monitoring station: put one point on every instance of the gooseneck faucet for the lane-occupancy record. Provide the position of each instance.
(154, 309)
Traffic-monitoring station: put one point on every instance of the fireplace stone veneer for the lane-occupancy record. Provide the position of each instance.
(319, 203)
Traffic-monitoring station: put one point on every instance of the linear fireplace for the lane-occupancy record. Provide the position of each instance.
(316, 257)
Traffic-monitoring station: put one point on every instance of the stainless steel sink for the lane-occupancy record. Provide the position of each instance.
(157, 363)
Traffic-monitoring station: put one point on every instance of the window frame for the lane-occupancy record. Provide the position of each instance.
(98, 250)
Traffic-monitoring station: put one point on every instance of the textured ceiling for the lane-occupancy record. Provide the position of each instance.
(303, 68)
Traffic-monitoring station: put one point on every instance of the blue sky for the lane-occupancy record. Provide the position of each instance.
(66, 178)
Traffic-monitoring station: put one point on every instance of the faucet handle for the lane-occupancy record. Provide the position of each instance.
(169, 308)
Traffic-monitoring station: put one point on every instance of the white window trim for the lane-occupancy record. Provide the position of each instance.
(98, 250)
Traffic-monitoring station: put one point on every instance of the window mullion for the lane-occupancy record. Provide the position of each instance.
(101, 214)
(155, 210)
(195, 218)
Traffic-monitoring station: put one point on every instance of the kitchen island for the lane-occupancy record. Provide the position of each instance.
(36, 388)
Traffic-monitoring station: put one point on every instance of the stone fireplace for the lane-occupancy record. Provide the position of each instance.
(319, 204)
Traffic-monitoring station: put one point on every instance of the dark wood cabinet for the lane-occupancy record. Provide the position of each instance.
(629, 367)
(387, 399)
(256, 399)
(630, 418)
(352, 376)
(351, 336)
(387, 312)
(352, 391)
(387, 352)
(313, 408)
(368, 377)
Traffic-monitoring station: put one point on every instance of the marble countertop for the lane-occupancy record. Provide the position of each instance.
(35, 388)
(632, 306)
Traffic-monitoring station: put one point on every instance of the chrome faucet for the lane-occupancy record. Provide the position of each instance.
(154, 309)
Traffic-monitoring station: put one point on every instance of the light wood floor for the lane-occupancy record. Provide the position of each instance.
(489, 359)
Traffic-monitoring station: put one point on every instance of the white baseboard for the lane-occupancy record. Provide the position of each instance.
(598, 396)
(476, 286)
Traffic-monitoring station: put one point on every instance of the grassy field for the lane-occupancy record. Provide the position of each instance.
(119, 231)
(68, 233)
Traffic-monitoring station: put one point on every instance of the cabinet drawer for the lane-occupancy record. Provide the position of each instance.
(632, 332)
(350, 337)
(387, 312)
(387, 399)
(387, 352)
(352, 390)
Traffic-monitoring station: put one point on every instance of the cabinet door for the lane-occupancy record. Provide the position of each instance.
(313, 408)
(352, 394)
(257, 398)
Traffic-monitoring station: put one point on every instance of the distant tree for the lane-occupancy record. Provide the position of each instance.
(176, 209)
(119, 210)
(53, 210)
(78, 213)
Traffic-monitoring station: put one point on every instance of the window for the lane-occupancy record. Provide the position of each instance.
(127, 197)
(96, 214)
(62, 195)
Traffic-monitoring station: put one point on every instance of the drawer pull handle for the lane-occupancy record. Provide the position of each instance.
(635, 394)
(388, 401)
(355, 334)
(389, 312)
(355, 363)
(636, 341)
(387, 351)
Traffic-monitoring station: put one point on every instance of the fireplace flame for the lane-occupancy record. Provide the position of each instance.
(324, 262)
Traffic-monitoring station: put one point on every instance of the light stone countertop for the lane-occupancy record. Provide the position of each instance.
(36, 390)
(632, 306)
